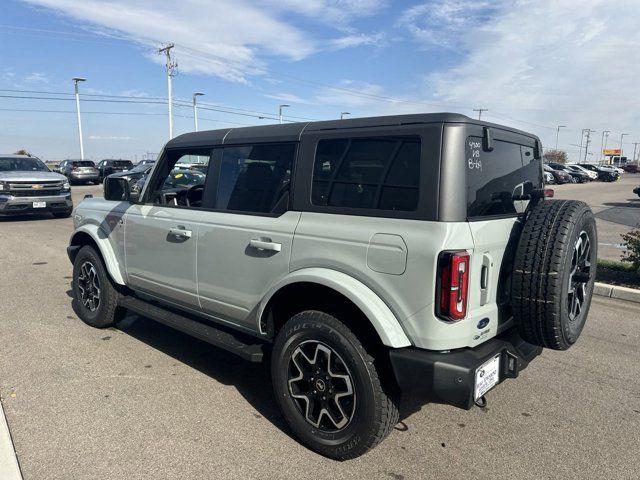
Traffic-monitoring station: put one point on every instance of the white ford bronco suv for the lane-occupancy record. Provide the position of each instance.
(365, 258)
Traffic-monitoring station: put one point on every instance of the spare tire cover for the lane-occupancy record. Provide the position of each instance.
(554, 272)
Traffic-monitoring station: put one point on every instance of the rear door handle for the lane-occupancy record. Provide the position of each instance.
(180, 232)
(265, 244)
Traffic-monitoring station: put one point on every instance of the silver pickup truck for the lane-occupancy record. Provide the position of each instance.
(28, 186)
(364, 258)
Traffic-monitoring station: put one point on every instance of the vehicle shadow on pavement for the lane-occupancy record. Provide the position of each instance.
(25, 218)
(252, 380)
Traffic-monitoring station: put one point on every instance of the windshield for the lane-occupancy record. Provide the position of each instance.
(184, 178)
(19, 164)
(122, 163)
(84, 163)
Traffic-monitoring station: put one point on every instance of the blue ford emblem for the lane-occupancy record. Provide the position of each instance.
(483, 323)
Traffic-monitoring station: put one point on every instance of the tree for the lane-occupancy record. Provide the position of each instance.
(555, 156)
(22, 151)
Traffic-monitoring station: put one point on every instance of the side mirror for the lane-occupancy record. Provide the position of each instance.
(116, 189)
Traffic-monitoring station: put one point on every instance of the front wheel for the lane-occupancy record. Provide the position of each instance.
(330, 392)
(95, 296)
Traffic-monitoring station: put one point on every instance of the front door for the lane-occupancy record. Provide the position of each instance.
(161, 232)
(244, 242)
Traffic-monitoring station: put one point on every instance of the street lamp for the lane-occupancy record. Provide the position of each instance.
(603, 143)
(195, 109)
(280, 107)
(622, 135)
(342, 114)
(75, 86)
(558, 134)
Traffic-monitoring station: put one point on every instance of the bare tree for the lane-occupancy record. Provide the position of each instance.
(555, 156)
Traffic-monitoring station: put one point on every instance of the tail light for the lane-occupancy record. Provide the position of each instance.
(453, 285)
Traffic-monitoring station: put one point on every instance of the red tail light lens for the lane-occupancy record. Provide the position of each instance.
(453, 285)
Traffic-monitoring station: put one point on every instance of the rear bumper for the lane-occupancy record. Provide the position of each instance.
(449, 378)
(84, 177)
(10, 205)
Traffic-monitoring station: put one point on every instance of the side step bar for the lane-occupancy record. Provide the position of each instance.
(242, 345)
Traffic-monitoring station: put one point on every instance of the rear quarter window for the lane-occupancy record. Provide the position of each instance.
(498, 180)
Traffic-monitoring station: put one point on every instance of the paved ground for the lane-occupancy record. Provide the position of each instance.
(616, 207)
(145, 402)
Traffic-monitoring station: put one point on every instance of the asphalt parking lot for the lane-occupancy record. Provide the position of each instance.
(143, 401)
(616, 207)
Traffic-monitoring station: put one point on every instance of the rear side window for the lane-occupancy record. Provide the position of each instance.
(499, 181)
(371, 173)
(255, 178)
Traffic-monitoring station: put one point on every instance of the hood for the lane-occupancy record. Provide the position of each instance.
(31, 177)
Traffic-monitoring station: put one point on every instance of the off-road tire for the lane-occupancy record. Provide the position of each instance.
(376, 398)
(107, 313)
(543, 273)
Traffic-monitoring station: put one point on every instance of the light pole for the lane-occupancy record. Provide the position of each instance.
(342, 114)
(195, 109)
(635, 146)
(558, 134)
(622, 135)
(280, 107)
(586, 147)
(603, 145)
(75, 87)
(581, 140)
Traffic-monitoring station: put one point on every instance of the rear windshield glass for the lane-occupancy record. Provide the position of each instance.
(17, 164)
(122, 163)
(499, 181)
(84, 163)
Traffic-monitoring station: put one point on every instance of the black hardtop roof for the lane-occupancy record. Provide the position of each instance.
(291, 131)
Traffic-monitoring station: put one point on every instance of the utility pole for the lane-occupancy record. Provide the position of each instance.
(171, 72)
(586, 148)
(480, 110)
(342, 114)
(635, 146)
(581, 140)
(195, 109)
(622, 135)
(75, 87)
(558, 134)
(280, 107)
(603, 144)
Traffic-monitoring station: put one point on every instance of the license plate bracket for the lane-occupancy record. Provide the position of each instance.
(487, 376)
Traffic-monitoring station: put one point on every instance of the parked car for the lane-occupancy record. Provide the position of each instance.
(79, 171)
(334, 251)
(548, 178)
(108, 167)
(28, 186)
(578, 168)
(145, 162)
(604, 174)
(576, 176)
(637, 191)
(631, 168)
(134, 175)
(560, 176)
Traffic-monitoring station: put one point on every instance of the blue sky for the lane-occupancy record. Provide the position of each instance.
(533, 64)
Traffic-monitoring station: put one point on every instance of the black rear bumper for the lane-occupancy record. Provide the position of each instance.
(450, 377)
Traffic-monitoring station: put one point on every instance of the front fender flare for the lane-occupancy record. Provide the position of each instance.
(377, 312)
(101, 239)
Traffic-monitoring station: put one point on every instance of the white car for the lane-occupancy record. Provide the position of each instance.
(577, 168)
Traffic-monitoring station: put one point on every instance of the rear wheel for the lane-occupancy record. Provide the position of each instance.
(95, 295)
(554, 273)
(328, 388)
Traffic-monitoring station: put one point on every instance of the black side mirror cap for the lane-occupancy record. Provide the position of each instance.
(116, 189)
(487, 139)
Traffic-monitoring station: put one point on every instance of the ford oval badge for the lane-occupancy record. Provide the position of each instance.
(483, 323)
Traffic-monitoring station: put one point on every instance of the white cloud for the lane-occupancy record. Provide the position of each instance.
(226, 39)
(337, 13)
(545, 62)
(357, 40)
(37, 77)
(109, 137)
(288, 97)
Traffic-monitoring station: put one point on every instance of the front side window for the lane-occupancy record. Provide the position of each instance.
(178, 185)
(372, 173)
(255, 178)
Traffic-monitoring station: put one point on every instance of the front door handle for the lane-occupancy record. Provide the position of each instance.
(180, 232)
(265, 244)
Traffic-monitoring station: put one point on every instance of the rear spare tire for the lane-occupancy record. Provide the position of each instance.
(554, 272)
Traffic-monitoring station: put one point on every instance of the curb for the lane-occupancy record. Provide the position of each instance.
(9, 467)
(620, 293)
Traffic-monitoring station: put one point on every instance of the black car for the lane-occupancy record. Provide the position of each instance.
(637, 191)
(604, 174)
(559, 176)
(135, 176)
(108, 167)
(576, 177)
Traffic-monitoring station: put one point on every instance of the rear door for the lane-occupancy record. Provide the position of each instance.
(245, 239)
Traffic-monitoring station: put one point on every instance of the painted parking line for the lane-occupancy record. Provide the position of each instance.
(9, 468)
(620, 246)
